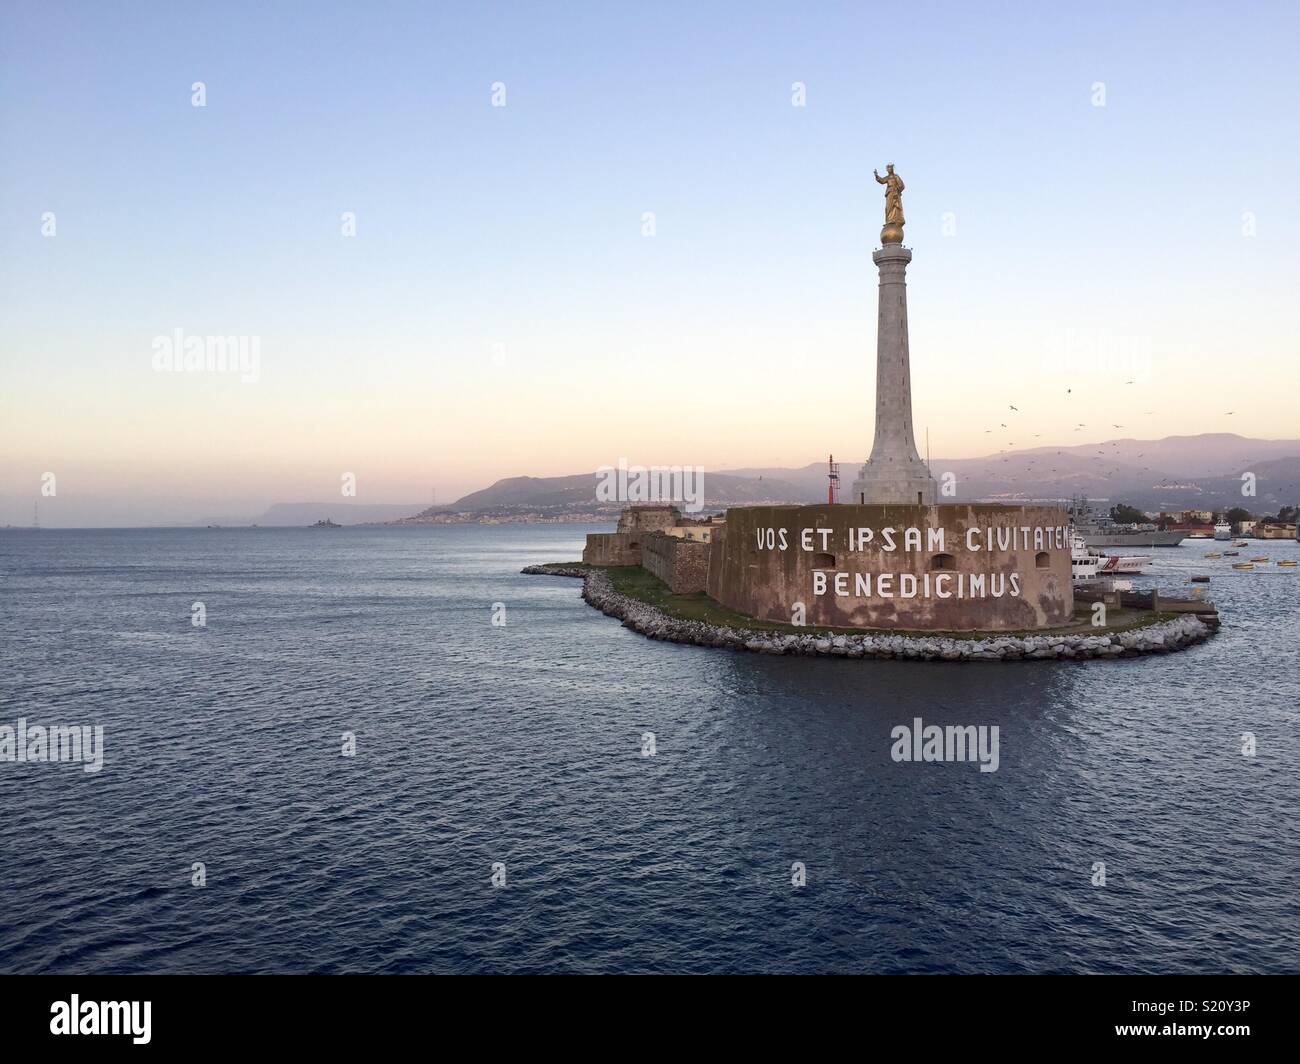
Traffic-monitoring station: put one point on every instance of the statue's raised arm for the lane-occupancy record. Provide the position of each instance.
(894, 220)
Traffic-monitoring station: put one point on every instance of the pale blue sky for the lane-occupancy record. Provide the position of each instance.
(746, 323)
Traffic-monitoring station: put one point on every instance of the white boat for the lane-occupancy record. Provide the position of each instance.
(1223, 530)
(1128, 564)
(1083, 565)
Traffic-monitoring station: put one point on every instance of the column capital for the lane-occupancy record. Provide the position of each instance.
(892, 254)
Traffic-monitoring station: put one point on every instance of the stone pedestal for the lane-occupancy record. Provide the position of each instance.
(895, 473)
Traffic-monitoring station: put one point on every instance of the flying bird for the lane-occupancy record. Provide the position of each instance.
(1013, 408)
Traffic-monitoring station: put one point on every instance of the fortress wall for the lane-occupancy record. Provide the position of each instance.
(682, 564)
(952, 567)
(613, 548)
(646, 517)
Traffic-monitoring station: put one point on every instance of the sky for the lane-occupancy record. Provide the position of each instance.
(658, 249)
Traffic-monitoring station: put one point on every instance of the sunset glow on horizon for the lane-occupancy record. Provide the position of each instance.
(649, 252)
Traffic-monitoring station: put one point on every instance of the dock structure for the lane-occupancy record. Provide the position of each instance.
(1206, 611)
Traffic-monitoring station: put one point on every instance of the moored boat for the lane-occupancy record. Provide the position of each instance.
(1127, 564)
(1083, 564)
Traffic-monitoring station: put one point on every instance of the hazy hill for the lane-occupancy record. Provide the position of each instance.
(1172, 473)
(720, 489)
(1210, 454)
(298, 514)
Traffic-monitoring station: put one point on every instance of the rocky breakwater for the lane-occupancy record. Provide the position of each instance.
(1158, 638)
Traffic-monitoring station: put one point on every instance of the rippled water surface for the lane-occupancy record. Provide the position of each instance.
(522, 745)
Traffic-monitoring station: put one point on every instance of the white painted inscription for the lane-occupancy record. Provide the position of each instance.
(932, 584)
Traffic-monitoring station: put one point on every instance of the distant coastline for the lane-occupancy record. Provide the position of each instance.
(1202, 472)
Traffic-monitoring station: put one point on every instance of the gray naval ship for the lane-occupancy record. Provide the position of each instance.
(1098, 530)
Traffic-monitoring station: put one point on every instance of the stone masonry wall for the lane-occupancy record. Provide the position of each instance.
(994, 567)
(613, 548)
(647, 518)
(682, 564)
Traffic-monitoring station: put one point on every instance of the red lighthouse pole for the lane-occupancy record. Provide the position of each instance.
(833, 475)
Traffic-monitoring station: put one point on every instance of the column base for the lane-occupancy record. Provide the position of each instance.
(905, 484)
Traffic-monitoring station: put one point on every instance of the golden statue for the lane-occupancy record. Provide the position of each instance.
(892, 233)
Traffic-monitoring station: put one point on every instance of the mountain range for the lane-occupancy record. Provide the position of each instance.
(1174, 473)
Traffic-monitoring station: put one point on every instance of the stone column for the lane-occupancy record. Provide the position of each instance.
(894, 473)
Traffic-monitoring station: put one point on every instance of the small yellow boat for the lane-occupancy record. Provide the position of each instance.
(1243, 565)
(1289, 561)
(1214, 554)
(1262, 560)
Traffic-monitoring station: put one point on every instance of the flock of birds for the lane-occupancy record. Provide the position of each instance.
(1079, 427)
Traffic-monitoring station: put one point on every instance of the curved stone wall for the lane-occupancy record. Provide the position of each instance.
(954, 567)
